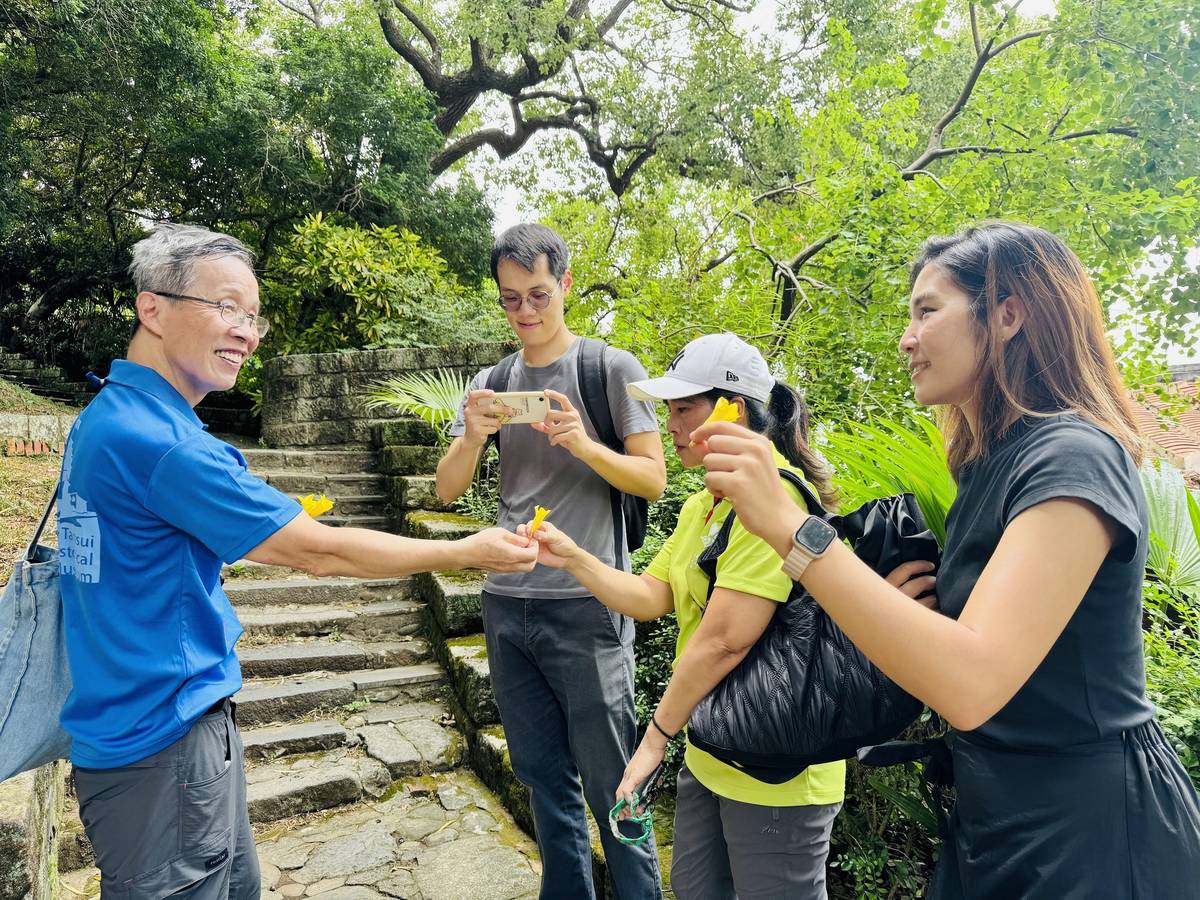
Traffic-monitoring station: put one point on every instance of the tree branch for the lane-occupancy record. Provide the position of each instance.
(429, 74)
(614, 15)
(975, 29)
(435, 48)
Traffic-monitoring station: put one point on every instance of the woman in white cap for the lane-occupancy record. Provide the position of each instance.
(734, 836)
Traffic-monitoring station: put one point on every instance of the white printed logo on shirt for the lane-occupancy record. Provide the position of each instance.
(78, 532)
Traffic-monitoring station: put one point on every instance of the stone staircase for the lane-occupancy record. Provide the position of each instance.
(376, 764)
(50, 382)
(358, 787)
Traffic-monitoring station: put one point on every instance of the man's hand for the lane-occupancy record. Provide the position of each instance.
(565, 427)
(498, 550)
(482, 418)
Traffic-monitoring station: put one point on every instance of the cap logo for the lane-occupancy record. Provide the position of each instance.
(675, 361)
(729, 376)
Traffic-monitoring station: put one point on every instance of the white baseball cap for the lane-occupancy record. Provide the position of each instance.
(722, 361)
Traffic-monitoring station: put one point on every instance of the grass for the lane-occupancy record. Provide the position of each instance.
(25, 485)
(16, 399)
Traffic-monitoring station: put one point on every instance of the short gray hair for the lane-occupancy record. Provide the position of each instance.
(165, 261)
(524, 243)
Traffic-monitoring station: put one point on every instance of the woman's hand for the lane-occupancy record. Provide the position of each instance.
(555, 549)
(741, 468)
(649, 756)
(914, 580)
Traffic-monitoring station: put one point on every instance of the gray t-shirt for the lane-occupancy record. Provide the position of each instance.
(534, 473)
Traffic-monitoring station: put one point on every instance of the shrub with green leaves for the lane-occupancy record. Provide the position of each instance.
(339, 287)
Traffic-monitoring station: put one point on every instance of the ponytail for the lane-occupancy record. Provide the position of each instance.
(785, 421)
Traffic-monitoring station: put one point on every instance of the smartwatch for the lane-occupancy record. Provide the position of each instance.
(810, 541)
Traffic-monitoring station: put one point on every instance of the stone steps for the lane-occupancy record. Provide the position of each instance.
(304, 589)
(375, 523)
(378, 620)
(415, 492)
(266, 701)
(353, 507)
(328, 462)
(296, 657)
(454, 599)
(445, 526)
(352, 485)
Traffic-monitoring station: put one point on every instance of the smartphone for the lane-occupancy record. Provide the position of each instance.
(527, 406)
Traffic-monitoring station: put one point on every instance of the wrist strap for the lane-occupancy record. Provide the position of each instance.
(659, 729)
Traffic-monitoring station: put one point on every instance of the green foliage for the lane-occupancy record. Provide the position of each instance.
(434, 397)
(344, 287)
(1171, 601)
(118, 113)
(482, 499)
(1174, 552)
(887, 457)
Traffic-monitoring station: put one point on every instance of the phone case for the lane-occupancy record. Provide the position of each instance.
(529, 406)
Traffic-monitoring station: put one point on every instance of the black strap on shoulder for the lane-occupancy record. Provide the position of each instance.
(593, 390)
(497, 381)
(707, 560)
(592, 377)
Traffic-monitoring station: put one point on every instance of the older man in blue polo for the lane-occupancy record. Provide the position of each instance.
(151, 505)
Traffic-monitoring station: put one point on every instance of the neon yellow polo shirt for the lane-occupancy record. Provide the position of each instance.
(751, 566)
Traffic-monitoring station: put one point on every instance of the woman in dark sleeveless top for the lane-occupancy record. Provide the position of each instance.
(1066, 786)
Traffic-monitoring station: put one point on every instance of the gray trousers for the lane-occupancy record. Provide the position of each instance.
(728, 850)
(175, 823)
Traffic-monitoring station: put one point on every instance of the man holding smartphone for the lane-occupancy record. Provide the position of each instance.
(561, 662)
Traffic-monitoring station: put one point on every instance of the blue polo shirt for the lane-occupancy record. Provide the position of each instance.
(149, 506)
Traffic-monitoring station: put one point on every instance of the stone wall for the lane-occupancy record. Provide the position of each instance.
(29, 810)
(316, 400)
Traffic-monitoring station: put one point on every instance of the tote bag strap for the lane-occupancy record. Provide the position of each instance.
(37, 534)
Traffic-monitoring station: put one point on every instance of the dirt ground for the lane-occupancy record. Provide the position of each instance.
(25, 485)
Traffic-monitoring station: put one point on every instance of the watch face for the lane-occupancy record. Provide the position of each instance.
(815, 535)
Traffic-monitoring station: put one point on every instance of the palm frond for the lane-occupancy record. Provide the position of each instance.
(1174, 552)
(432, 396)
(886, 457)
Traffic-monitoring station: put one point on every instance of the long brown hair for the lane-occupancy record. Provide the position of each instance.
(1059, 361)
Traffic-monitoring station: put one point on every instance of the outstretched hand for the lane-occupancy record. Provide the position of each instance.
(499, 550)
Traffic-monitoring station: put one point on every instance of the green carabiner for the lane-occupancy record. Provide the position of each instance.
(644, 819)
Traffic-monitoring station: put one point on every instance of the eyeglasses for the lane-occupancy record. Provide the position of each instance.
(230, 312)
(539, 300)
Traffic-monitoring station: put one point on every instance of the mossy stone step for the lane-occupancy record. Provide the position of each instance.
(283, 700)
(404, 432)
(455, 599)
(296, 658)
(440, 525)
(310, 783)
(301, 589)
(470, 680)
(415, 492)
(411, 459)
(353, 485)
(330, 462)
(378, 620)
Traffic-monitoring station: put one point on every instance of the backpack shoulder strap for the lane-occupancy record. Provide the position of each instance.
(593, 389)
(707, 560)
(497, 381)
